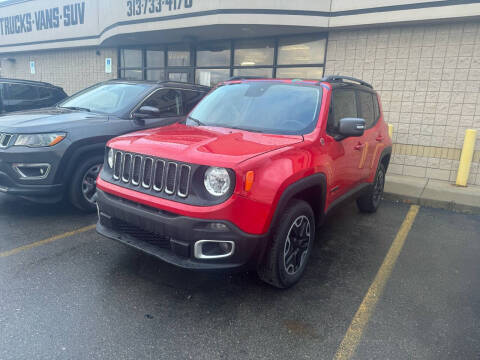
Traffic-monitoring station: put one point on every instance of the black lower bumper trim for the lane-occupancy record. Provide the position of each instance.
(171, 237)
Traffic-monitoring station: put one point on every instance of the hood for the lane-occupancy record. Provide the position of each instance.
(202, 144)
(48, 119)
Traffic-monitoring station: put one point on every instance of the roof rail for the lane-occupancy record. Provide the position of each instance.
(180, 83)
(244, 78)
(330, 78)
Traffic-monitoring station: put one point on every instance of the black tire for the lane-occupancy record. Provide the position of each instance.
(370, 201)
(276, 270)
(81, 193)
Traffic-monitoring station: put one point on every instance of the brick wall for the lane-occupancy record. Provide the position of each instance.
(72, 69)
(428, 78)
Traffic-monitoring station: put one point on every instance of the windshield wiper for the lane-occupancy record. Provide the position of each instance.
(198, 122)
(238, 128)
(75, 108)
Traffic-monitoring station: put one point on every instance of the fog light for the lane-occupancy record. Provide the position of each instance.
(32, 171)
(213, 249)
(217, 226)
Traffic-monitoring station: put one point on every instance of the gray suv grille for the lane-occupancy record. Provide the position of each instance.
(152, 173)
(5, 140)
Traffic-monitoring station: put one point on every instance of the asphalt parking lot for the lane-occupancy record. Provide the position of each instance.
(84, 297)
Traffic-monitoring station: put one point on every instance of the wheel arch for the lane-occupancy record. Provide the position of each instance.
(311, 189)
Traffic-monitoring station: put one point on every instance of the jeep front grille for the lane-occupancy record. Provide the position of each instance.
(152, 173)
(5, 140)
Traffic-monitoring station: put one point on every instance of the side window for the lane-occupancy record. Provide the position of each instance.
(45, 93)
(366, 108)
(344, 105)
(20, 92)
(168, 101)
(191, 98)
(376, 107)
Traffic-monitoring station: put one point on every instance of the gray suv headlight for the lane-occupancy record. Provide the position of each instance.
(217, 181)
(39, 140)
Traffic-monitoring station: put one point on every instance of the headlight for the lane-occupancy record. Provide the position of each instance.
(39, 140)
(217, 181)
(110, 158)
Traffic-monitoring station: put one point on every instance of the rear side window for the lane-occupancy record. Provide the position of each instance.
(20, 92)
(45, 93)
(344, 105)
(191, 98)
(367, 111)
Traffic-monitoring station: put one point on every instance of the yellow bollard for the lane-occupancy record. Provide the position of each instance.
(466, 157)
(390, 131)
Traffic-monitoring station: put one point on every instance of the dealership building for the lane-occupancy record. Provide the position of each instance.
(423, 57)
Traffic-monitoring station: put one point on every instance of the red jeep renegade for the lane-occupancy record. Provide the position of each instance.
(247, 178)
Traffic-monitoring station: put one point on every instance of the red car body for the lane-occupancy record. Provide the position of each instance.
(315, 167)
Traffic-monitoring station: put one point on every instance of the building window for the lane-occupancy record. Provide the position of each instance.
(179, 56)
(209, 63)
(214, 54)
(254, 52)
(300, 50)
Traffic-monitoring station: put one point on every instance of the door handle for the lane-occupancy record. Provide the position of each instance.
(359, 146)
(379, 138)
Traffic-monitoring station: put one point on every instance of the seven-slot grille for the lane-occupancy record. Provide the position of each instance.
(5, 140)
(152, 173)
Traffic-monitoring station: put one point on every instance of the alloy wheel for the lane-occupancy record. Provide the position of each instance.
(296, 245)
(89, 183)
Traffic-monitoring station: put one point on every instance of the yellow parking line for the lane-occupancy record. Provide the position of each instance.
(46, 241)
(359, 323)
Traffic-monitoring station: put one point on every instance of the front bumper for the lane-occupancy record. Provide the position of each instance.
(12, 183)
(171, 237)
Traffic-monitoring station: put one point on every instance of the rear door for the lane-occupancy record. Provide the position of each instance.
(366, 111)
(346, 153)
(18, 97)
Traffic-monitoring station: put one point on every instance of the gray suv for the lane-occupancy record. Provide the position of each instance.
(54, 153)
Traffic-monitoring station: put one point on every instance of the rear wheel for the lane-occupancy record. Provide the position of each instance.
(370, 201)
(290, 248)
(83, 188)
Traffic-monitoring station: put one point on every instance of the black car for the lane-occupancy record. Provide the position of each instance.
(19, 95)
(50, 154)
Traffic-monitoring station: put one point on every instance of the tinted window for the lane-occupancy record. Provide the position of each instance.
(376, 108)
(168, 101)
(45, 93)
(366, 108)
(191, 98)
(274, 108)
(20, 92)
(344, 106)
(107, 98)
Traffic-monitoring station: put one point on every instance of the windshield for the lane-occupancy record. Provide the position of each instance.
(106, 98)
(274, 108)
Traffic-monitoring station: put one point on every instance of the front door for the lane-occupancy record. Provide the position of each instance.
(183, 75)
(348, 154)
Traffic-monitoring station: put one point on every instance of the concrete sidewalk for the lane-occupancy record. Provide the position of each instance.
(433, 193)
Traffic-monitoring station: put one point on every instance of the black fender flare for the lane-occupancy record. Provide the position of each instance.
(75, 154)
(318, 179)
(385, 152)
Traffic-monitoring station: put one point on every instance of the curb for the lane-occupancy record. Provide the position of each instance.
(433, 194)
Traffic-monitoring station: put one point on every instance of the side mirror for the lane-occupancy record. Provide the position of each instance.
(146, 112)
(349, 127)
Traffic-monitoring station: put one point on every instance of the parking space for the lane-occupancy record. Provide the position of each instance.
(82, 296)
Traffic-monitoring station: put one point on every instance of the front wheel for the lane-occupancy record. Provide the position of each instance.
(370, 201)
(83, 186)
(290, 247)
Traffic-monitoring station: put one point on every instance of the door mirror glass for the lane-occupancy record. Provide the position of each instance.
(146, 112)
(351, 127)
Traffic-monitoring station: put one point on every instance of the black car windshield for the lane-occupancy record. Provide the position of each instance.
(261, 106)
(106, 98)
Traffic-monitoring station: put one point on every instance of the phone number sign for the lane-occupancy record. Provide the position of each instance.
(143, 7)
